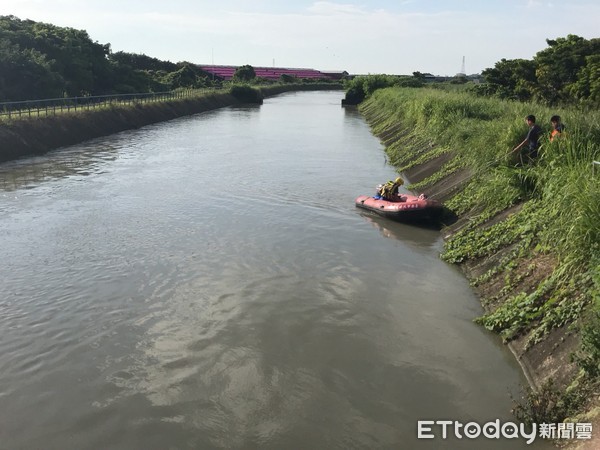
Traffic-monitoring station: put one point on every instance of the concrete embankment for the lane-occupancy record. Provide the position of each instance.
(525, 235)
(542, 360)
(38, 135)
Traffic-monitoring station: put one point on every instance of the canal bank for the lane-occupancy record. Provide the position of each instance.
(549, 358)
(539, 307)
(37, 135)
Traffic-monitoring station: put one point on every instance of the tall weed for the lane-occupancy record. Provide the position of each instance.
(561, 195)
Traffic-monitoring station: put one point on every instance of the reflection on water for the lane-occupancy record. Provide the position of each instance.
(76, 162)
(418, 235)
(208, 283)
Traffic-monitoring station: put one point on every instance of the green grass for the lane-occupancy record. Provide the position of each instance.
(482, 132)
(560, 195)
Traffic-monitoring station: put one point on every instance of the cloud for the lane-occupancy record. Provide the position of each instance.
(323, 34)
(534, 4)
(329, 8)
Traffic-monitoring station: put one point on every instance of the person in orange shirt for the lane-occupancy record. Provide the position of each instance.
(557, 127)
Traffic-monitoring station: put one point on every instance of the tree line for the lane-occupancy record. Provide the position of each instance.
(566, 72)
(41, 60)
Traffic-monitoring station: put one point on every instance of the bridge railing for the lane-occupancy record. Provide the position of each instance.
(52, 106)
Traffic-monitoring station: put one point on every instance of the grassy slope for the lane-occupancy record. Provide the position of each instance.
(527, 237)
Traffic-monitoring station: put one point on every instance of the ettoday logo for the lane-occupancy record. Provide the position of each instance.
(432, 429)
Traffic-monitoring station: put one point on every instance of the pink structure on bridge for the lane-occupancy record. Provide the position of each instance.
(273, 73)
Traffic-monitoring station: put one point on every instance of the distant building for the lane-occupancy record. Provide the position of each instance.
(335, 74)
(226, 73)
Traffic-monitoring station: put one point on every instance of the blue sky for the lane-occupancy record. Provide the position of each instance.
(381, 36)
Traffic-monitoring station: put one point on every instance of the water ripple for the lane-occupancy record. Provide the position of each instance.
(208, 283)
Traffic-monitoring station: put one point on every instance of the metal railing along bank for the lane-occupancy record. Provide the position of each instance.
(37, 108)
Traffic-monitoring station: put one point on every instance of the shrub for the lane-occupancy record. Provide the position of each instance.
(362, 87)
(588, 358)
(246, 94)
(547, 405)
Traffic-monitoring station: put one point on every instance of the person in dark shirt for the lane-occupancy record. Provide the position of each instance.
(531, 142)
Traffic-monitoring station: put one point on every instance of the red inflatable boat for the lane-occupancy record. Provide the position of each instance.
(403, 207)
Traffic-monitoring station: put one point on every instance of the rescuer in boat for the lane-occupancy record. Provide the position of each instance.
(389, 191)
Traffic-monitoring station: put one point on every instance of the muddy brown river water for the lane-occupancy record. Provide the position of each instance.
(208, 283)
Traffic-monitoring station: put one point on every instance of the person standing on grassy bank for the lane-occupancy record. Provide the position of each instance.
(557, 127)
(531, 140)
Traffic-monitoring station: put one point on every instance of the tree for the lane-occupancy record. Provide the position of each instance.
(82, 63)
(286, 78)
(188, 76)
(567, 71)
(139, 61)
(511, 78)
(406, 81)
(244, 73)
(26, 75)
(40, 60)
(587, 86)
(560, 65)
(359, 88)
